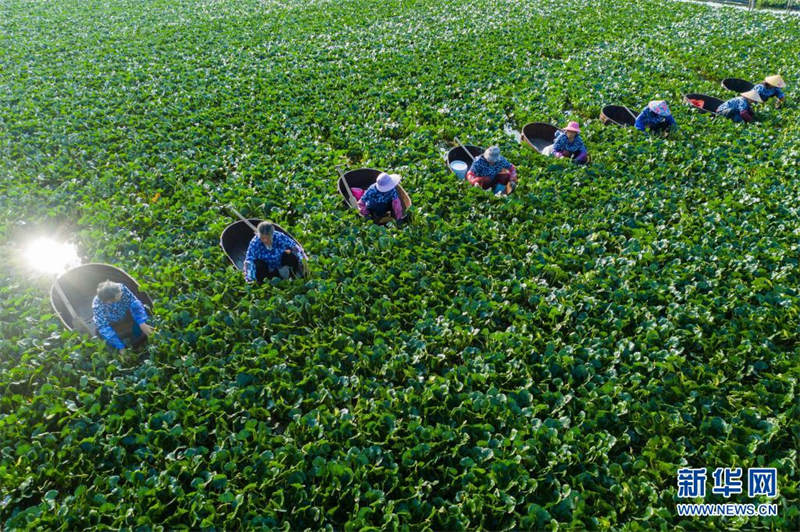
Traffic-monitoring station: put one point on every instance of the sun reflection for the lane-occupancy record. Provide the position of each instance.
(47, 255)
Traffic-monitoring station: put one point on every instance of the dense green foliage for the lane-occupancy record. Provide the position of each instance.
(792, 5)
(546, 360)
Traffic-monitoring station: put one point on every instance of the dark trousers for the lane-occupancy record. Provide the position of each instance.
(287, 259)
(733, 114)
(129, 331)
(379, 211)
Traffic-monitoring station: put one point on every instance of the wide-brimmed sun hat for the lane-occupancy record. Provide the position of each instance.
(752, 95)
(775, 81)
(659, 107)
(573, 126)
(492, 154)
(387, 182)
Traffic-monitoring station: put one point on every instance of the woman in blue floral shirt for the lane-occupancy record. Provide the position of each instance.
(771, 86)
(492, 170)
(119, 314)
(655, 116)
(740, 108)
(272, 254)
(380, 198)
(568, 143)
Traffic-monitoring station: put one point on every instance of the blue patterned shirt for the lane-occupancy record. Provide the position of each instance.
(107, 313)
(378, 201)
(272, 256)
(767, 93)
(734, 105)
(562, 143)
(481, 167)
(648, 118)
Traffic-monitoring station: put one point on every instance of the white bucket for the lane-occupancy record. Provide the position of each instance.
(459, 168)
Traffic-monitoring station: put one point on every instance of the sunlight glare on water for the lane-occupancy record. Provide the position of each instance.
(50, 256)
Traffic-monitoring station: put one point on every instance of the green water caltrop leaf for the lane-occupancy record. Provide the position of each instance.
(540, 362)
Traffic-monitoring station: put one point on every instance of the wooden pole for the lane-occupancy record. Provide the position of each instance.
(77, 321)
(242, 218)
(464, 148)
(353, 202)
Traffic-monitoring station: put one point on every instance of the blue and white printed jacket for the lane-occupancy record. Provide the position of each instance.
(107, 313)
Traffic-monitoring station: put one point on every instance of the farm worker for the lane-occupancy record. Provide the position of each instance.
(380, 198)
(271, 254)
(492, 170)
(568, 143)
(117, 313)
(741, 107)
(656, 116)
(771, 86)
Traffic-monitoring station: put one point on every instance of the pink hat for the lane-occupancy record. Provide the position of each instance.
(573, 126)
(387, 182)
(659, 107)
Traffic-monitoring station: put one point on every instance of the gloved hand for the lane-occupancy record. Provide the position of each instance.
(747, 116)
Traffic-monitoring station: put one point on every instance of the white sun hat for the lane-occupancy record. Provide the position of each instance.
(387, 182)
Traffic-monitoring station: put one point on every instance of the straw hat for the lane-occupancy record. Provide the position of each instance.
(491, 154)
(387, 182)
(775, 81)
(752, 95)
(659, 107)
(573, 126)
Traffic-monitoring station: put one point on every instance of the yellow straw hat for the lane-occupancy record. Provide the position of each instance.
(775, 81)
(752, 95)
